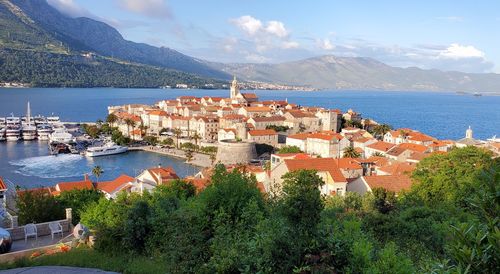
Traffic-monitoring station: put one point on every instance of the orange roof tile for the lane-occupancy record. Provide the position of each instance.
(3, 186)
(348, 163)
(116, 184)
(67, 186)
(381, 146)
(299, 136)
(395, 183)
(262, 132)
(320, 164)
(398, 168)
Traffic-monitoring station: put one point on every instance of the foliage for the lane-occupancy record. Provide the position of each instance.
(38, 206)
(289, 149)
(168, 142)
(151, 140)
(189, 146)
(450, 177)
(78, 200)
(278, 128)
(350, 152)
(263, 148)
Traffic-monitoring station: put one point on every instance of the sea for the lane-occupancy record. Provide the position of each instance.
(444, 115)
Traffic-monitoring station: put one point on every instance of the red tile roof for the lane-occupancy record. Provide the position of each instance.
(320, 164)
(67, 186)
(262, 132)
(269, 119)
(395, 183)
(398, 168)
(299, 136)
(3, 186)
(162, 175)
(116, 184)
(381, 146)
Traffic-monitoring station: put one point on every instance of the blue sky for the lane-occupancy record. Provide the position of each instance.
(448, 35)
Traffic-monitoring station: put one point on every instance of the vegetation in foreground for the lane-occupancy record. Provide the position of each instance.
(230, 227)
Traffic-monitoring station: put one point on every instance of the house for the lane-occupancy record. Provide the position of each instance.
(362, 142)
(156, 119)
(226, 134)
(279, 157)
(396, 168)
(301, 120)
(223, 111)
(112, 188)
(206, 127)
(351, 115)
(153, 177)
(181, 123)
(379, 147)
(264, 122)
(394, 183)
(299, 140)
(254, 111)
(351, 168)
(326, 145)
(403, 151)
(330, 120)
(326, 168)
(263, 136)
(67, 186)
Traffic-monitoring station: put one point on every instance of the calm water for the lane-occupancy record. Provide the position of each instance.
(443, 115)
(28, 164)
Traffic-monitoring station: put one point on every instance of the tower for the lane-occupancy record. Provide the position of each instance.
(235, 90)
(468, 133)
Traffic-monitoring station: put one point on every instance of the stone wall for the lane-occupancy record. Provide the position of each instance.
(233, 152)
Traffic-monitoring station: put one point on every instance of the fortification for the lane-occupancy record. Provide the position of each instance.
(234, 152)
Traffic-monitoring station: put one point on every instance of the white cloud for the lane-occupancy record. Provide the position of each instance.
(248, 24)
(70, 8)
(456, 51)
(277, 28)
(152, 8)
(325, 44)
(290, 45)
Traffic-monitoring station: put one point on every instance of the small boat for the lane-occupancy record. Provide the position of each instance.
(61, 135)
(477, 94)
(109, 148)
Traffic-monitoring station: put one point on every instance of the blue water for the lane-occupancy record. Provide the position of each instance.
(442, 115)
(28, 164)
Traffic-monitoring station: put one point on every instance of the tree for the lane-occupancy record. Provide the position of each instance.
(384, 200)
(151, 140)
(97, 171)
(350, 152)
(302, 203)
(111, 119)
(78, 200)
(177, 132)
(378, 154)
(168, 142)
(289, 149)
(130, 123)
(189, 155)
(451, 178)
(38, 206)
(381, 130)
(188, 146)
(196, 137)
(212, 158)
(366, 123)
(143, 129)
(404, 134)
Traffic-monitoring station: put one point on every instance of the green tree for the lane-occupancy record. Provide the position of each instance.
(196, 137)
(177, 132)
(381, 130)
(111, 119)
(289, 149)
(189, 155)
(384, 200)
(151, 140)
(350, 152)
(130, 124)
(452, 177)
(168, 142)
(97, 171)
(38, 206)
(78, 200)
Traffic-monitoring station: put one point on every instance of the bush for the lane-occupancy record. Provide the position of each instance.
(38, 206)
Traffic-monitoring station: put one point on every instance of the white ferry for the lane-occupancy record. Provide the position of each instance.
(61, 135)
(3, 130)
(13, 128)
(53, 119)
(44, 130)
(29, 126)
(109, 148)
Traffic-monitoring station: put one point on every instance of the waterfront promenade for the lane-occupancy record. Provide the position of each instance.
(199, 159)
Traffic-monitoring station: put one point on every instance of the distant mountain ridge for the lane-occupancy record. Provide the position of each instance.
(91, 35)
(34, 25)
(332, 72)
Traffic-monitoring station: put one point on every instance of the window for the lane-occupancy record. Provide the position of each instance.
(340, 191)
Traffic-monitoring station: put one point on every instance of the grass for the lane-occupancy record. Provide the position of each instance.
(89, 258)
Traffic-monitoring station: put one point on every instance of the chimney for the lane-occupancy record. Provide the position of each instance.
(86, 177)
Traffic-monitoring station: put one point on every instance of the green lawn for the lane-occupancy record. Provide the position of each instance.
(84, 257)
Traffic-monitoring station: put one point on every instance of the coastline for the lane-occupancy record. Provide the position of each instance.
(199, 159)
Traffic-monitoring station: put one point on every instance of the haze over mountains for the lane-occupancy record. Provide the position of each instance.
(36, 26)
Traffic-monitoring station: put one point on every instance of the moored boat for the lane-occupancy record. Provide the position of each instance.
(109, 148)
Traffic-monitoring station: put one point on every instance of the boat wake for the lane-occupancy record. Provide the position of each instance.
(48, 167)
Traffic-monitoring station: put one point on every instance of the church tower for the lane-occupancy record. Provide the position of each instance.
(468, 133)
(235, 90)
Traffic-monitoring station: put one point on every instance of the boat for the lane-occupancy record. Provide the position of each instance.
(477, 94)
(109, 148)
(61, 135)
(494, 139)
(53, 119)
(13, 128)
(28, 126)
(3, 130)
(43, 131)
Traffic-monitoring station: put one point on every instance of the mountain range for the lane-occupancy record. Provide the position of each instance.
(34, 30)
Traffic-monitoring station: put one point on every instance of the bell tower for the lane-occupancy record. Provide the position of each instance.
(468, 133)
(235, 90)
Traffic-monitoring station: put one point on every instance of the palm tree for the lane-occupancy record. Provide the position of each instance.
(404, 135)
(381, 130)
(177, 132)
(112, 119)
(350, 152)
(130, 123)
(196, 137)
(366, 124)
(143, 129)
(97, 171)
(378, 154)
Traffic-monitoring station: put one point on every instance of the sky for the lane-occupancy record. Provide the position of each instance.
(451, 35)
